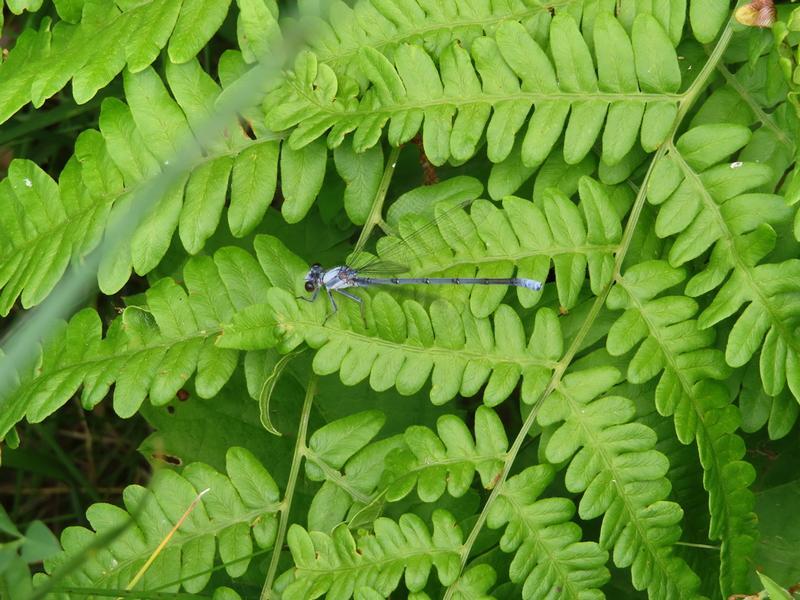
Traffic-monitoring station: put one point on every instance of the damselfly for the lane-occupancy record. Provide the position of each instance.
(375, 271)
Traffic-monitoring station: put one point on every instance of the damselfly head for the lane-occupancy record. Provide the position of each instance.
(314, 277)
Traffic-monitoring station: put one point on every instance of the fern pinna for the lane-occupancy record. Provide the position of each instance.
(581, 441)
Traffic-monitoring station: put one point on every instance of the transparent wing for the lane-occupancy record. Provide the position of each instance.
(377, 266)
(420, 240)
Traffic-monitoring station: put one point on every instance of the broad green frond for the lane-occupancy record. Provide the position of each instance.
(384, 25)
(614, 464)
(403, 345)
(672, 343)
(549, 557)
(461, 351)
(94, 43)
(48, 223)
(340, 565)
(359, 478)
(448, 459)
(689, 391)
(706, 204)
(236, 510)
(491, 87)
(149, 351)
(407, 344)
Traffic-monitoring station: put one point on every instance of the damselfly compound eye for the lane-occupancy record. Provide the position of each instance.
(309, 286)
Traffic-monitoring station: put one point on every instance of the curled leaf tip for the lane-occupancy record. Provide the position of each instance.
(759, 13)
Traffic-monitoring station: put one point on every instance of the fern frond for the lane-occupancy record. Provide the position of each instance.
(448, 459)
(340, 565)
(635, 85)
(94, 44)
(779, 412)
(386, 25)
(339, 454)
(614, 464)
(705, 204)
(404, 345)
(46, 224)
(238, 509)
(672, 343)
(150, 351)
(549, 557)
(460, 350)
(361, 479)
(689, 391)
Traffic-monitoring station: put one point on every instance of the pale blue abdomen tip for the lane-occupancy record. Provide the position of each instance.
(531, 284)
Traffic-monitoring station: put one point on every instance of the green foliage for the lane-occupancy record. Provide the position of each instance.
(236, 510)
(336, 564)
(149, 351)
(507, 75)
(37, 543)
(639, 159)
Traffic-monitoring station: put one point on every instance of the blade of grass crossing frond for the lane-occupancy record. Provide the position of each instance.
(140, 573)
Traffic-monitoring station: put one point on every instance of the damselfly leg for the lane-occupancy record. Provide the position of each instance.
(360, 304)
(335, 307)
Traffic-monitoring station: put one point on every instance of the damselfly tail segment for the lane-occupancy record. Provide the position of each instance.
(530, 284)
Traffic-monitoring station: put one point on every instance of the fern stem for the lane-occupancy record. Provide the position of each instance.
(286, 504)
(375, 213)
(336, 478)
(687, 101)
(765, 118)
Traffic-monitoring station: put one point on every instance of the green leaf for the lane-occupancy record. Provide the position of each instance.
(336, 442)
(150, 350)
(256, 28)
(706, 145)
(204, 199)
(221, 519)
(253, 183)
(447, 460)
(595, 431)
(197, 21)
(39, 543)
(302, 172)
(362, 175)
(656, 60)
(616, 72)
(282, 268)
(707, 17)
(156, 114)
(550, 558)
(422, 201)
(507, 75)
(153, 26)
(252, 481)
(774, 590)
(379, 559)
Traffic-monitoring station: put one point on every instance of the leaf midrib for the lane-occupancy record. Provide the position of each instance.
(531, 98)
(687, 389)
(599, 448)
(484, 23)
(552, 558)
(756, 294)
(404, 347)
